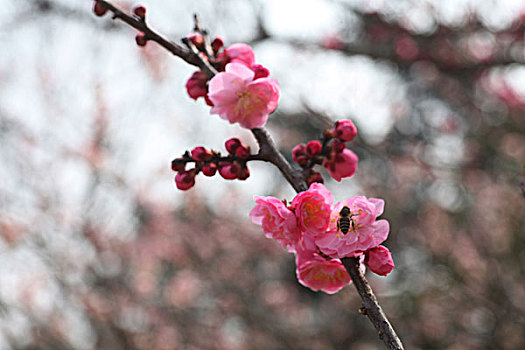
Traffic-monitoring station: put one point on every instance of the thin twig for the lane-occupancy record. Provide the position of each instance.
(151, 35)
(205, 36)
(371, 307)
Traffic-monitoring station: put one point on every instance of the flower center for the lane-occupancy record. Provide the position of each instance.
(248, 103)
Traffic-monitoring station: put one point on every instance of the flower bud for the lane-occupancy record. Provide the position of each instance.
(379, 260)
(178, 164)
(342, 164)
(141, 40)
(313, 148)
(314, 177)
(201, 154)
(140, 11)
(229, 171)
(242, 152)
(196, 85)
(209, 169)
(232, 145)
(345, 130)
(299, 155)
(196, 39)
(185, 179)
(260, 71)
(217, 44)
(99, 9)
(337, 146)
(244, 173)
(240, 53)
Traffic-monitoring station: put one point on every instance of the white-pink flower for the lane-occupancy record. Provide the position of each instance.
(365, 231)
(238, 98)
(277, 221)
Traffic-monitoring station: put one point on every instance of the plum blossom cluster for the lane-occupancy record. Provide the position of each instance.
(242, 92)
(319, 232)
(310, 228)
(332, 153)
(209, 162)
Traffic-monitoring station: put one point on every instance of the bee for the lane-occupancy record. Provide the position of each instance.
(344, 221)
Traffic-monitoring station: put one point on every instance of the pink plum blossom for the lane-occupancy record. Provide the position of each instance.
(239, 99)
(365, 231)
(379, 260)
(313, 209)
(318, 271)
(343, 164)
(278, 222)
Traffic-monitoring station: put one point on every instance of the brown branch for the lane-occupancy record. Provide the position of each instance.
(177, 50)
(268, 152)
(371, 307)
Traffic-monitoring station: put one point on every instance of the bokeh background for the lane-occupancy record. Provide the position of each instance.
(98, 250)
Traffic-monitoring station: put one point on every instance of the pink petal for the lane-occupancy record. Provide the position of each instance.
(240, 71)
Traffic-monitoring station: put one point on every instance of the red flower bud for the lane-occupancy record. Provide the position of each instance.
(260, 71)
(196, 85)
(140, 11)
(185, 179)
(99, 9)
(217, 44)
(242, 152)
(232, 145)
(209, 169)
(196, 39)
(178, 164)
(379, 260)
(229, 171)
(342, 164)
(345, 130)
(201, 154)
(244, 173)
(337, 146)
(299, 155)
(141, 39)
(313, 148)
(314, 177)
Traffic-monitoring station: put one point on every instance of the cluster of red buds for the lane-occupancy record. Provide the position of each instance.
(332, 153)
(208, 162)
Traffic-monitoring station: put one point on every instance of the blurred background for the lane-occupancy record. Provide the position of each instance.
(98, 249)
